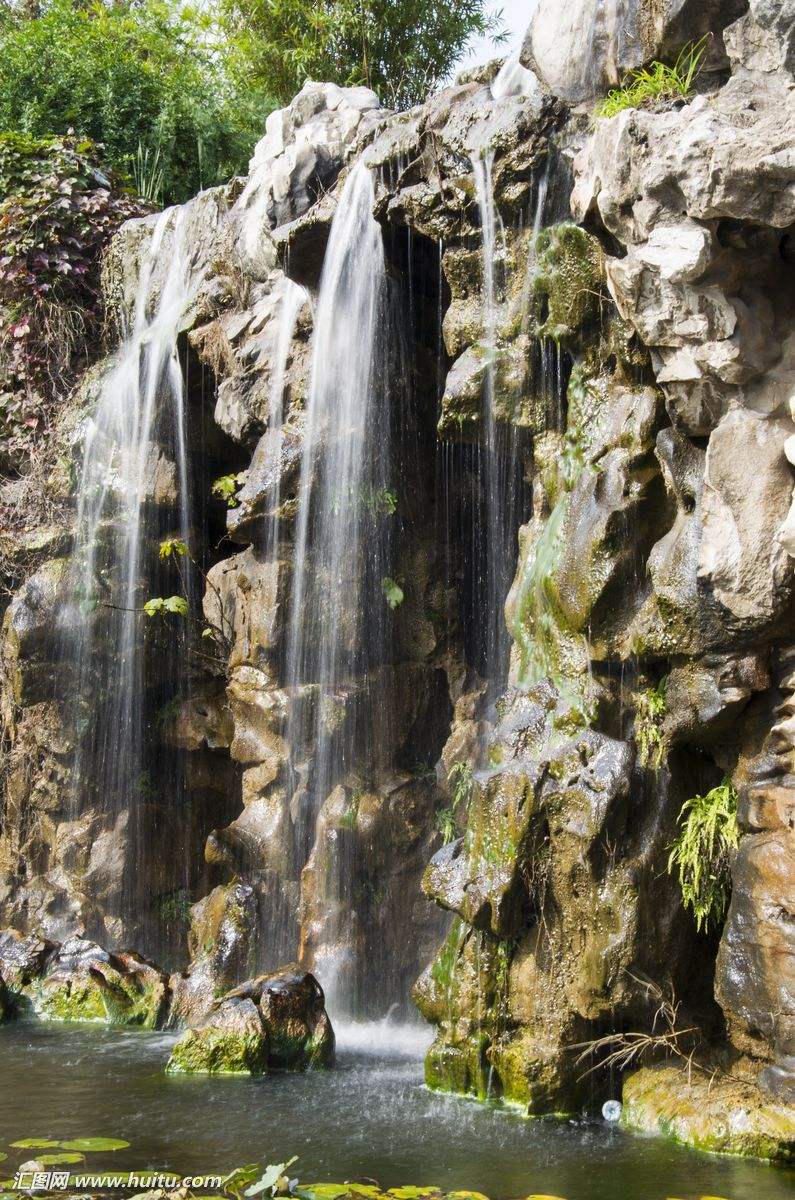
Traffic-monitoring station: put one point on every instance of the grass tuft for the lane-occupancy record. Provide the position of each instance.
(656, 82)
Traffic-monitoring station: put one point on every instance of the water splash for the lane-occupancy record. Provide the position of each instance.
(513, 79)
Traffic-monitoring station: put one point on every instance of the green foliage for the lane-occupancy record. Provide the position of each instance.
(174, 909)
(657, 82)
(145, 80)
(445, 823)
(57, 212)
(380, 502)
(239, 1179)
(649, 715)
(93, 1145)
(349, 817)
(173, 546)
(460, 781)
(401, 48)
(148, 173)
(225, 487)
(270, 1178)
(392, 591)
(701, 853)
(160, 607)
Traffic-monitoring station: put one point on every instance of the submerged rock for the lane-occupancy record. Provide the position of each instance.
(275, 1021)
(717, 1113)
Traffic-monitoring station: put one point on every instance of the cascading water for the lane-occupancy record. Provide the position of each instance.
(499, 449)
(133, 491)
(294, 298)
(338, 608)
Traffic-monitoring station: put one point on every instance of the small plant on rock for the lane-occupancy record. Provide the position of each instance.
(226, 487)
(393, 592)
(649, 736)
(460, 782)
(701, 854)
(657, 82)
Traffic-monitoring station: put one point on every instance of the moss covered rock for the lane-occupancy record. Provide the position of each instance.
(274, 1021)
(83, 982)
(231, 1042)
(79, 981)
(721, 1114)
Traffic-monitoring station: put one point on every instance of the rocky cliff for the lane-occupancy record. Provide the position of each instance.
(590, 410)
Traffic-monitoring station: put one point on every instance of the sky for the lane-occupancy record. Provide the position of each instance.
(515, 17)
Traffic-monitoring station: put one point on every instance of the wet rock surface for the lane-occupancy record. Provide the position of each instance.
(272, 1022)
(722, 1115)
(79, 981)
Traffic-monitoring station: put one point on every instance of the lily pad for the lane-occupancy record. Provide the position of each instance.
(60, 1160)
(413, 1193)
(35, 1144)
(322, 1191)
(3, 1157)
(94, 1145)
(466, 1196)
(368, 1190)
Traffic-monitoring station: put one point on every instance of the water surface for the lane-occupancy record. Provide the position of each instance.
(369, 1117)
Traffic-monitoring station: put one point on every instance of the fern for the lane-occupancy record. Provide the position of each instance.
(701, 853)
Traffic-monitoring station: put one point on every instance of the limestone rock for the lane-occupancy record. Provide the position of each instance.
(231, 1042)
(79, 981)
(221, 944)
(580, 50)
(720, 1114)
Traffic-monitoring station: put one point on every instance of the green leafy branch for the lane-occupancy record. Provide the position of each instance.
(702, 852)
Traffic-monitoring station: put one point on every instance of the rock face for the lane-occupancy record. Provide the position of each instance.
(587, 609)
(272, 1022)
(579, 53)
(79, 981)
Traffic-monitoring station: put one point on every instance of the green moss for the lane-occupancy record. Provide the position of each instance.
(219, 1052)
(568, 288)
(718, 1114)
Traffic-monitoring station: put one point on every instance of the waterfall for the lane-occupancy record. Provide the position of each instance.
(512, 79)
(499, 449)
(338, 615)
(132, 491)
(294, 298)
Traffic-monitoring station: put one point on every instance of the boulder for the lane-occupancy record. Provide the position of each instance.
(79, 981)
(715, 1112)
(274, 1021)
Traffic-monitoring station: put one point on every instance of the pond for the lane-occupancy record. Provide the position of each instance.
(370, 1117)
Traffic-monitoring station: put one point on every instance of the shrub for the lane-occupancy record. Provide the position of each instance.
(701, 853)
(57, 212)
(657, 82)
(401, 48)
(144, 80)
